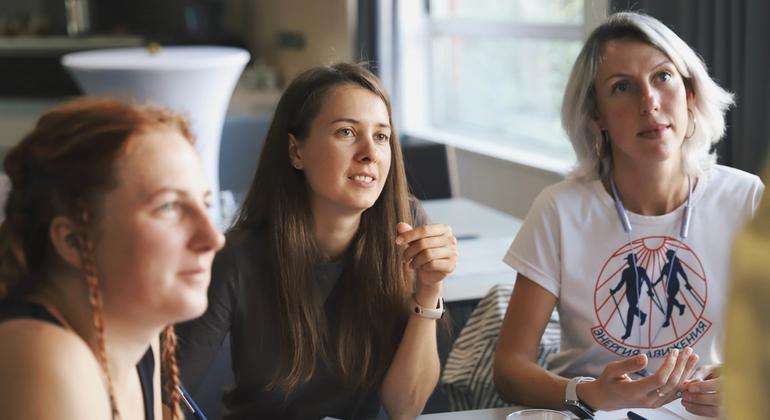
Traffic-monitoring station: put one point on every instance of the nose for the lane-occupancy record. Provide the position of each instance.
(649, 101)
(367, 152)
(207, 236)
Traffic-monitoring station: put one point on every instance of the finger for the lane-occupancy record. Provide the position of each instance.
(708, 386)
(716, 372)
(426, 243)
(403, 227)
(714, 398)
(619, 368)
(442, 266)
(701, 410)
(704, 372)
(422, 232)
(689, 369)
(672, 390)
(675, 378)
(431, 254)
(659, 378)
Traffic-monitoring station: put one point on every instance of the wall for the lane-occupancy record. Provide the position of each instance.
(328, 28)
(18, 116)
(499, 183)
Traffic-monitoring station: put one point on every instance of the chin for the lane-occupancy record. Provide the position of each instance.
(360, 204)
(190, 307)
(656, 155)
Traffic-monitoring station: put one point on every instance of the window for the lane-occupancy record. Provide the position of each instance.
(489, 75)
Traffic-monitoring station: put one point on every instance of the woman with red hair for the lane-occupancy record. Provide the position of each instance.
(105, 245)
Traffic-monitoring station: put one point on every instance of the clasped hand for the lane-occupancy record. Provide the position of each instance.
(430, 250)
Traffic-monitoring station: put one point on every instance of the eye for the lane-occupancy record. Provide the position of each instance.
(620, 86)
(170, 206)
(664, 76)
(382, 137)
(345, 132)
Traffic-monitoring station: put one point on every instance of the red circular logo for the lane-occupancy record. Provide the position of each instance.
(650, 295)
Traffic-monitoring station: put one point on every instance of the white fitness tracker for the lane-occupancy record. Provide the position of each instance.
(429, 313)
(573, 403)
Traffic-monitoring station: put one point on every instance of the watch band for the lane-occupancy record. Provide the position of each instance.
(575, 404)
(429, 313)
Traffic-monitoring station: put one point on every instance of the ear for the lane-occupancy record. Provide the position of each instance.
(295, 152)
(597, 124)
(690, 98)
(65, 240)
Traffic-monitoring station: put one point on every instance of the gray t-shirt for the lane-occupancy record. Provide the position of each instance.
(241, 303)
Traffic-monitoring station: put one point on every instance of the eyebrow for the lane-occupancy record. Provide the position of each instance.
(165, 190)
(662, 63)
(355, 121)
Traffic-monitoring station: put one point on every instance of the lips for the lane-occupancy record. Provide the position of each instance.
(653, 130)
(192, 271)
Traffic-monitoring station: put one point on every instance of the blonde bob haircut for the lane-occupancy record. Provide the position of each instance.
(579, 106)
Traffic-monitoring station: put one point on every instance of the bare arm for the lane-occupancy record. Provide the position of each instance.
(519, 379)
(517, 375)
(414, 372)
(432, 252)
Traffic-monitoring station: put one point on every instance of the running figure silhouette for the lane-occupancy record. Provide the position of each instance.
(672, 269)
(633, 290)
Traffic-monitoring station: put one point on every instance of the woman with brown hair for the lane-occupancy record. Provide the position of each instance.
(323, 267)
(106, 244)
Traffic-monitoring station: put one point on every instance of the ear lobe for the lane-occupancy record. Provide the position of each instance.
(295, 152)
(65, 241)
(596, 127)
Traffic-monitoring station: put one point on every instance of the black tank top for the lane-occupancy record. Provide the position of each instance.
(145, 367)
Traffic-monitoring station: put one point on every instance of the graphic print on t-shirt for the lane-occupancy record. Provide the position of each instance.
(650, 295)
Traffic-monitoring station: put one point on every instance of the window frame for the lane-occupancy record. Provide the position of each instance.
(411, 32)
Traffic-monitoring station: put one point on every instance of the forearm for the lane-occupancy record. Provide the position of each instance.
(414, 372)
(520, 380)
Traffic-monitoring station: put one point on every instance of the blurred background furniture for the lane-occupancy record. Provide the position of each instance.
(467, 377)
(195, 81)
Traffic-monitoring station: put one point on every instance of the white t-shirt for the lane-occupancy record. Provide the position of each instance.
(573, 244)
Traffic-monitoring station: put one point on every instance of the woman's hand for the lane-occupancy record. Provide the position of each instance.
(614, 389)
(431, 251)
(703, 397)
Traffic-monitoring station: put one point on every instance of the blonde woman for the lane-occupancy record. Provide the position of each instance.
(633, 249)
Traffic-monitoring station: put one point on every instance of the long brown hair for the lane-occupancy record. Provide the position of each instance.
(374, 282)
(64, 167)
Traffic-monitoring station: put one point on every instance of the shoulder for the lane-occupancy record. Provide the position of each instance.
(729, 185)
(46, 368)
(244, 247)
(730, 178)
(568, 193)
(246, 238)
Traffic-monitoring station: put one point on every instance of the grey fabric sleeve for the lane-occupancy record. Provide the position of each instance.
(419, 216)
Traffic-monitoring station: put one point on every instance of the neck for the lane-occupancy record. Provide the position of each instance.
(650, 191)
(334, 229)
(125, 341)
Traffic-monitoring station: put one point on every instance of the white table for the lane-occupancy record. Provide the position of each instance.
(470, 218)
(484, 235)
(671, 411)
